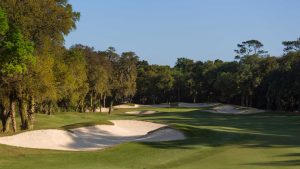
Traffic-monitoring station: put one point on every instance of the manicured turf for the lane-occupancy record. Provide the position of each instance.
(214, 142)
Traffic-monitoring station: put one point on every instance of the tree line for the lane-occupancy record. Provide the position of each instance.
(39, 75)
(253, 79)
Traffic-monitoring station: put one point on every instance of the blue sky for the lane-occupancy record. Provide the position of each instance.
(160, 31)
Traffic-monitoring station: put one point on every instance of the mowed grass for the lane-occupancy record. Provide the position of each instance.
(214, 141)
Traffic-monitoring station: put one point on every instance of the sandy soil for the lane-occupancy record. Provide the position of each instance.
(142, 112)
(126, 106)
(165, 105)
(195, 105)
(103, 110)
(182, 104)
(94, 137)
(231, 109)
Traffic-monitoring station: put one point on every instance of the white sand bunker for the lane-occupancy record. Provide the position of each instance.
(167, 105)
(182, 104)
(230, 109)
(199, 105)
(98, 110)
(127, 106)
(142, 112)
(94, 137)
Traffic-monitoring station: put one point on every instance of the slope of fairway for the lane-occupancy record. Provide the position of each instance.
(214, 141)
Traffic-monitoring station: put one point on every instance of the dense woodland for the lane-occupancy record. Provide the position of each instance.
(39, 75)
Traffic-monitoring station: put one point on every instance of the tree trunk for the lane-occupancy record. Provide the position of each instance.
(65, 104)
(104, 100)
(49, 108)
(4, 116)
(77, 107)
(82, 106)
(100, 104)
(94, 105)
(111, 106)
(178, 95)
(242, 100)
(44, 109)
(130, 99)
(6, 127)
(278, 103)
(12, 114)
(91, 101)
(23, 114)
(268, 103)
(31, 111)
(250, 101)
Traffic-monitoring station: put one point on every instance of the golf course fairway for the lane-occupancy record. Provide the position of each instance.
(214, 141)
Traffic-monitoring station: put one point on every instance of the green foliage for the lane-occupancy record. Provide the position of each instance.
(250, 47)
(154, 83)
(263, 82)
(41, 20)
(127, 64)
(291, 46)
(3, 23)
(226, 83)
(282, 84)
(16, 53)
(123, 78)
(40, 82)
(71, 79)
(98, 72)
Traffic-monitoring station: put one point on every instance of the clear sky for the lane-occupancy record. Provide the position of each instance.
(160, 31)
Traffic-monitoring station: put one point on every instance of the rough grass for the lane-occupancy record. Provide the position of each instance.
(215, 141)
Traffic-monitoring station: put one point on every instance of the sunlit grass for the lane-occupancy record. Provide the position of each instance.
(214, 141)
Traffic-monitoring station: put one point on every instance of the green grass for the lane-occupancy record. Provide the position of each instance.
(214, 141)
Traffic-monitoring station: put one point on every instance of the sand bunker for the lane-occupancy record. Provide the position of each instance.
(199, 105)
(166, 105)
(94, 137)
(142, 112)
(98, 110)
(182, 104)
(230, 109)
(127, 106)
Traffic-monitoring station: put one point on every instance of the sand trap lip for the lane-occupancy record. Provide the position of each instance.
(127, 106)
(199, 105)
(94, 137)
(182, 105)
(98, 110)
(142, 112)
(231, 109)
(166, 105)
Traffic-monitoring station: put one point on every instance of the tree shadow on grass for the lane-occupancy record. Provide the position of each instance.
(278, 163)
(208, 129)
(291, 155)
(293, 162)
